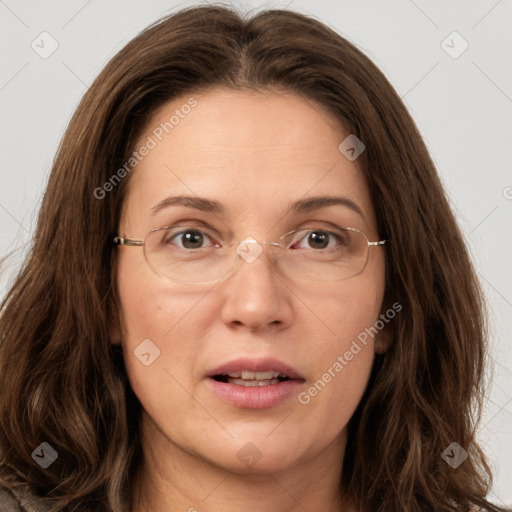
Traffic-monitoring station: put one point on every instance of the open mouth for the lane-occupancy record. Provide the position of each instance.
(255, 383)
(247, 378)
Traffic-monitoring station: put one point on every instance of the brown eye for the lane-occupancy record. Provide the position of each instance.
(188, 239)
(319, 239)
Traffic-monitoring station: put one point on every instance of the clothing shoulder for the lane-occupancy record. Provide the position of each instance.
(20, 499)
(8, 503)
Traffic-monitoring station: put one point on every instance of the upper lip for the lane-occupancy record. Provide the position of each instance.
(253, 364)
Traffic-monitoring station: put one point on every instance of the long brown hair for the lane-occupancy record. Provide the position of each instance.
(64, 383)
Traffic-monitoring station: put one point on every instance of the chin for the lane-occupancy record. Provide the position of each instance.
(264, 466)
(255, 457)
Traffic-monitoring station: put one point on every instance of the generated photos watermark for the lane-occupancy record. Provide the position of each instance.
(151, 142)
(146, 352)
(454, 455)
(305, 397)
(45, 455)
(351, 147)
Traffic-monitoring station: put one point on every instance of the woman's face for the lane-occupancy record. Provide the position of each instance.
(255, 154)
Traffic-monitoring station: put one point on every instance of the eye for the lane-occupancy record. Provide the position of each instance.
(188, 239)
(321, 239)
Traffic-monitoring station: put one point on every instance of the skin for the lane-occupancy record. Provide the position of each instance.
(255, 153)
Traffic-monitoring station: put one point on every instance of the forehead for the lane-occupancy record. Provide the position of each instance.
(255, 152)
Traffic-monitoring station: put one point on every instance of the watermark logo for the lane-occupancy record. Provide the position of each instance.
(45, 455)
(249, 454)
(454, 455)
(146, 352)
(44, 45)
(351, 147)
(454, 45)
(249, 249)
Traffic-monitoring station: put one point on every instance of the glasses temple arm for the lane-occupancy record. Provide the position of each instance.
(119, 240)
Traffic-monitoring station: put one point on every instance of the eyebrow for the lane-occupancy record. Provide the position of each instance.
(199, 203)
(302, 206)
(316, 203)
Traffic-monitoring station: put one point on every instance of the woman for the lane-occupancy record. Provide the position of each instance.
(246, 290)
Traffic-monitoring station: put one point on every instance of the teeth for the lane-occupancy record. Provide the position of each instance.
(247, 375)
(251, 383)
(248, 378)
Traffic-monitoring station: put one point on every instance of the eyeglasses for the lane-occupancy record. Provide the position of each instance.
(179, 254)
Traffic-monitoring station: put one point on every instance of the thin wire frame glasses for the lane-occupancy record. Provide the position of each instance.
(345, 259)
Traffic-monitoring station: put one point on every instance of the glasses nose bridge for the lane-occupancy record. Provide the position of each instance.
(250, 242)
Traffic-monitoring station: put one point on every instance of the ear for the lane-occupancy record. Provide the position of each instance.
(385, 337)
(383, 341)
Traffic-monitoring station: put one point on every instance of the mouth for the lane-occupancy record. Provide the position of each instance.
(254, 383)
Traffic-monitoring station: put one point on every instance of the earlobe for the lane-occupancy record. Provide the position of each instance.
(383, 341)
(386, 336)
(115, 336)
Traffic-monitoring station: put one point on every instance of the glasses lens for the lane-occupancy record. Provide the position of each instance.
(188, 255)
(185, 254)
(325, 255)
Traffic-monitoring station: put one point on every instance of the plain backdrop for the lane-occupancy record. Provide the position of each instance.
(448, 60)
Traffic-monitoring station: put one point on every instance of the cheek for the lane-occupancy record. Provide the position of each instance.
(149, 311)
(344, 353)
(162, 329)
(347, 312)
(150, 306)
(158, 349)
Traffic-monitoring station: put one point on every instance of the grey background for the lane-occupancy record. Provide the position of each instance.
(463, 107)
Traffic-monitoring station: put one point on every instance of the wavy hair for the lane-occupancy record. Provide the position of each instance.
(63, 382)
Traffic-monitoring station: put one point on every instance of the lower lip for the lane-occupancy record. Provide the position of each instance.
(255, 397)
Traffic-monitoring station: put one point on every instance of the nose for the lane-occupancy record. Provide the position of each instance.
(256, 293)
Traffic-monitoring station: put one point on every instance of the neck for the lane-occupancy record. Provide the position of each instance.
(172, 479)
